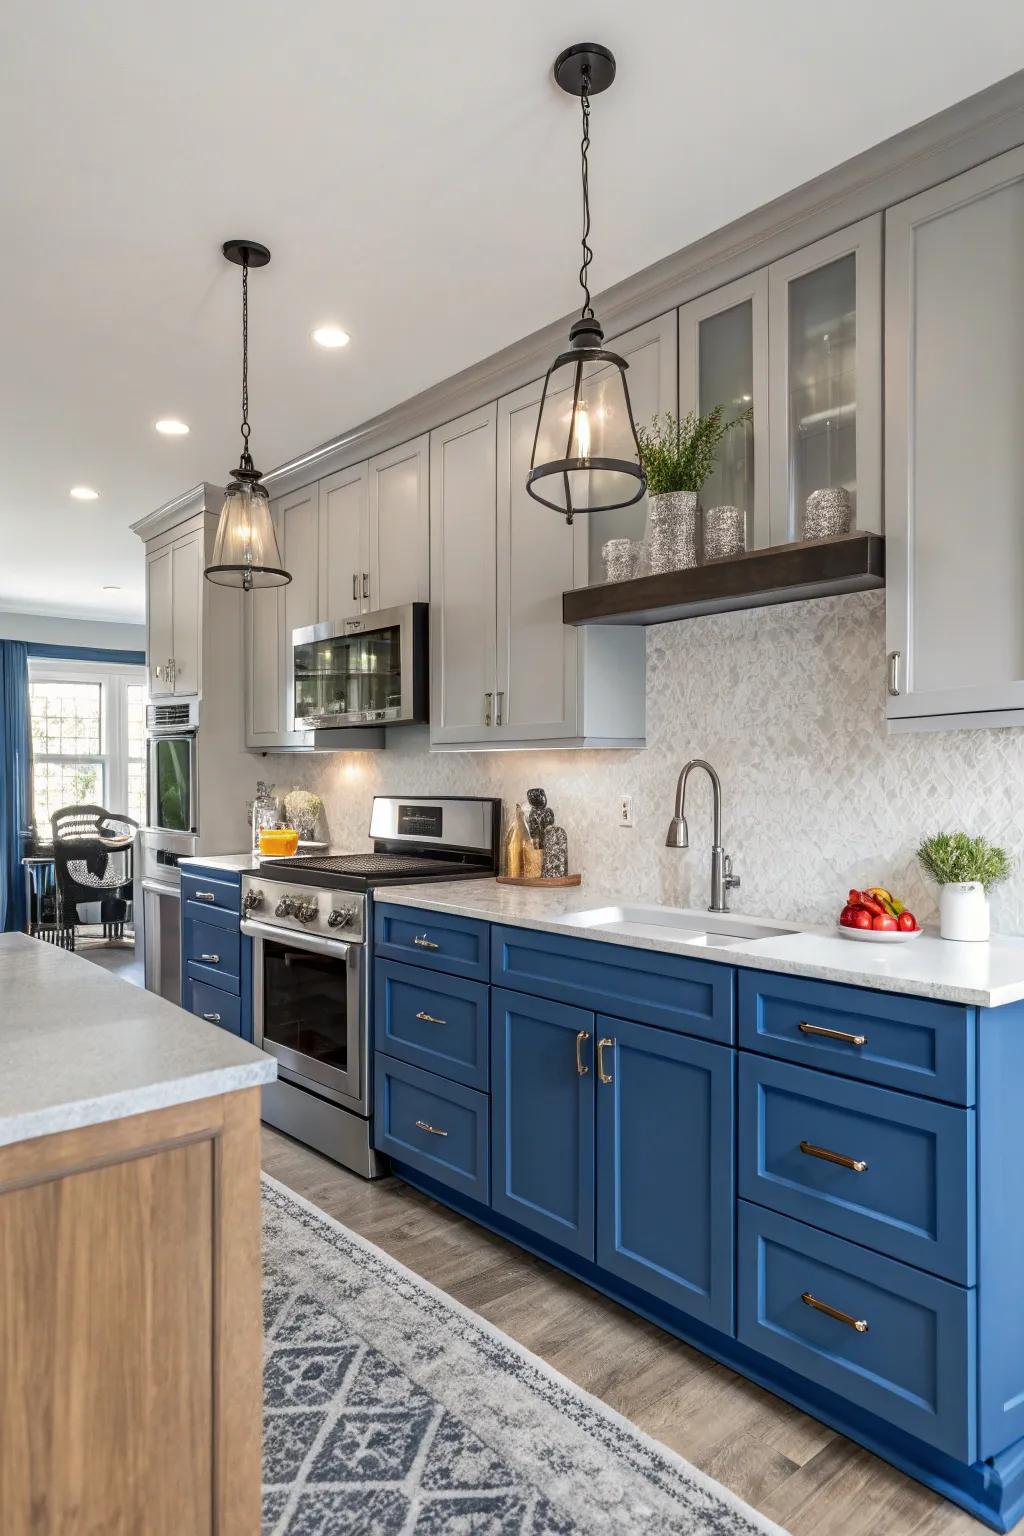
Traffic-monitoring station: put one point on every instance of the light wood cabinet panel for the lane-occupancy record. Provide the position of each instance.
(187, 608)
(723, 360)
(130, 1325)
(159, 622)
(344, 549)
(462, 576)
(954, 342)
(825, 376)
(399, 538)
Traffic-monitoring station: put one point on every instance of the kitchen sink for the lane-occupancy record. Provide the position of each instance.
(717, 930)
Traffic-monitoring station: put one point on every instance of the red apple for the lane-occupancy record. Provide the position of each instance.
(907, 922)
(884, 923)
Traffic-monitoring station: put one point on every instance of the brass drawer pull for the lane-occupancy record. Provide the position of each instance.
(605, 1077)
(204, 896)
(212, 1018)
(428, 1018)
(856, 1323)
(422, 1125)
(210, 959)
(832, 1034)
(581, 1066)
(856, 1164)
(422, 942)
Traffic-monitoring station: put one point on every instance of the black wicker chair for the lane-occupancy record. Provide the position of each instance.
(92, 859)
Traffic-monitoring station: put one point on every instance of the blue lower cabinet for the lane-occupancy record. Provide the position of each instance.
(215, 1006)
(436, 940)
(542, 1108)
(432, 1021)
(432, 1124)
(889, 1338)
(665, 1167)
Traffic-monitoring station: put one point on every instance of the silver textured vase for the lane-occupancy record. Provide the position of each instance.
(672, 531)
(725, 532)
(828, 512)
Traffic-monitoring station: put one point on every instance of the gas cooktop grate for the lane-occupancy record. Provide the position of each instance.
(370, 864)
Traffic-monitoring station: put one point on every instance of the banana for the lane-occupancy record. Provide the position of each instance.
(889, 902)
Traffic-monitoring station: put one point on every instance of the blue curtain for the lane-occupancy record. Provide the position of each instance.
(15, 758)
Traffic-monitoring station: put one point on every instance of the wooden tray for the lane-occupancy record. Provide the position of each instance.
(555, 880)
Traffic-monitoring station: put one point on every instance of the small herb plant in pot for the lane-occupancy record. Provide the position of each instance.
(965, 869)
(677, 456)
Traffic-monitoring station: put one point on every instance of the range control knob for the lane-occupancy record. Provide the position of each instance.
(339, 917)
(285, 907)
(307, 911)
(251, 902)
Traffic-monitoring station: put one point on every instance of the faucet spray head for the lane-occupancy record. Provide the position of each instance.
(678, 833)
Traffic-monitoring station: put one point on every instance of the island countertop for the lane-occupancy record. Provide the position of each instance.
(985, 975)
(78, 1046)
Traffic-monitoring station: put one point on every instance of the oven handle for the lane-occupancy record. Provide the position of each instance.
(311, 941)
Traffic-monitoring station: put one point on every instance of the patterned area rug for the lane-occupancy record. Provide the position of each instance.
(392, 1410)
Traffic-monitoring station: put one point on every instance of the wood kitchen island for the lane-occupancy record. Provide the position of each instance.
(130, 1336)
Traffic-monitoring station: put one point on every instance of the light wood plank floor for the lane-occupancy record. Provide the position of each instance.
(800, 1473)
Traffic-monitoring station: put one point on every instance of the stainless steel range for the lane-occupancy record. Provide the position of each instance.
(311, 923)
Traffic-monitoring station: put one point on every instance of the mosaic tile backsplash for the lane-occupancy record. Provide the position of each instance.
(788, 704)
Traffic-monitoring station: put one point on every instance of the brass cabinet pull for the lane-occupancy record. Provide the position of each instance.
(856, 1323)
(212, 1018)
(831, 1034)
(428, 1018)
(581, 1066)
(204, 896)
(422, 942)
(856, 1164)
(422, 1125)
(211, 959)
(606, 1077)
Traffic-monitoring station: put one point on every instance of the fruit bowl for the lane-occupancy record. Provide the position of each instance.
(880, 935)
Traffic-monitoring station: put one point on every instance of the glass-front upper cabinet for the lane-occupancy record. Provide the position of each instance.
(824, 324)
(723, 360)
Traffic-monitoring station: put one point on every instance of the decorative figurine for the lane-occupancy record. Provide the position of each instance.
(556, 854)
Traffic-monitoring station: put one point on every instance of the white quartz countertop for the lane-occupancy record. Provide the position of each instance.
(78, 1046)
(235, 863)
(981, 975)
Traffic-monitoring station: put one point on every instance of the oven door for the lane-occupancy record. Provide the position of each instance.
(310, 1010)
(172, 795)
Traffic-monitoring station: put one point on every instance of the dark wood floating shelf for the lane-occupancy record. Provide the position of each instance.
(786, 573)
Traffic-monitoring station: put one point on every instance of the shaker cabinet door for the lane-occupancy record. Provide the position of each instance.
(159, 630)
(344, 544)
(954, 447)
(462, 578)
(270, 615)
(399, 565)
(825, 377)
(186, 611)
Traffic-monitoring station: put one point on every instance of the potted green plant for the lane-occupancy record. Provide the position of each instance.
(965, 869)
(677, 456)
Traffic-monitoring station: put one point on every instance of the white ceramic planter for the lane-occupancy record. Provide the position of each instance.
(963, 911)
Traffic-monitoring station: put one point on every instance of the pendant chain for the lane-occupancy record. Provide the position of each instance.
(246, 460)
(587, 312)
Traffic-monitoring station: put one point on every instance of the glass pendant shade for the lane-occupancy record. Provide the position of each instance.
(585, 453)
(245, 553)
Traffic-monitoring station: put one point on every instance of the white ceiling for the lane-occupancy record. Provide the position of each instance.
(414, 171)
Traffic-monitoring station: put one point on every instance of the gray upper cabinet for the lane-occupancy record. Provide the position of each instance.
(271, 614)
(463, 628)
(825, 377)
(344, 548)
(174, 601)
(723, 360)
(159, 623)
(954, 447)
(399, 525)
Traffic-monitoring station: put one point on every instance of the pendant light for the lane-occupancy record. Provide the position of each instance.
(585, 457)
(245, 552)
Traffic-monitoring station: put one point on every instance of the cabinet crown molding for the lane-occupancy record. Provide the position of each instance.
(203, 497)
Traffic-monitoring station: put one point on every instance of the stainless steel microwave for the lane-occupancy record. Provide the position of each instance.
(367, 670)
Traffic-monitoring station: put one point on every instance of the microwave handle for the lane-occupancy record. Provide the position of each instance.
(310, 941)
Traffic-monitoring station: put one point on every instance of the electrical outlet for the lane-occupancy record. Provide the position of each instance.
(626, 811)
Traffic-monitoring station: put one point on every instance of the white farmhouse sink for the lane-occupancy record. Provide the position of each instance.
(682, 925)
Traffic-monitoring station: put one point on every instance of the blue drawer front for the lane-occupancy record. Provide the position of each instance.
(217, 890)
(458, 945)
(665, 1167)
(214, 943)
(435, 1022)
(914, 1366)
(432, 1124)
(693, 996)
(215, 1006)
(914, 1198)
(908, 1042)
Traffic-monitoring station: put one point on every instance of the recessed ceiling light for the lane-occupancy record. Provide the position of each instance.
(84, 493)
(331, 336)
(170, 426)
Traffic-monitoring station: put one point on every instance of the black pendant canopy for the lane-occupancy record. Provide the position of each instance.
(245, 552)
(585, 456)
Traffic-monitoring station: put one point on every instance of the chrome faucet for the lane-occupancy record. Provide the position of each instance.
(722, 878)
